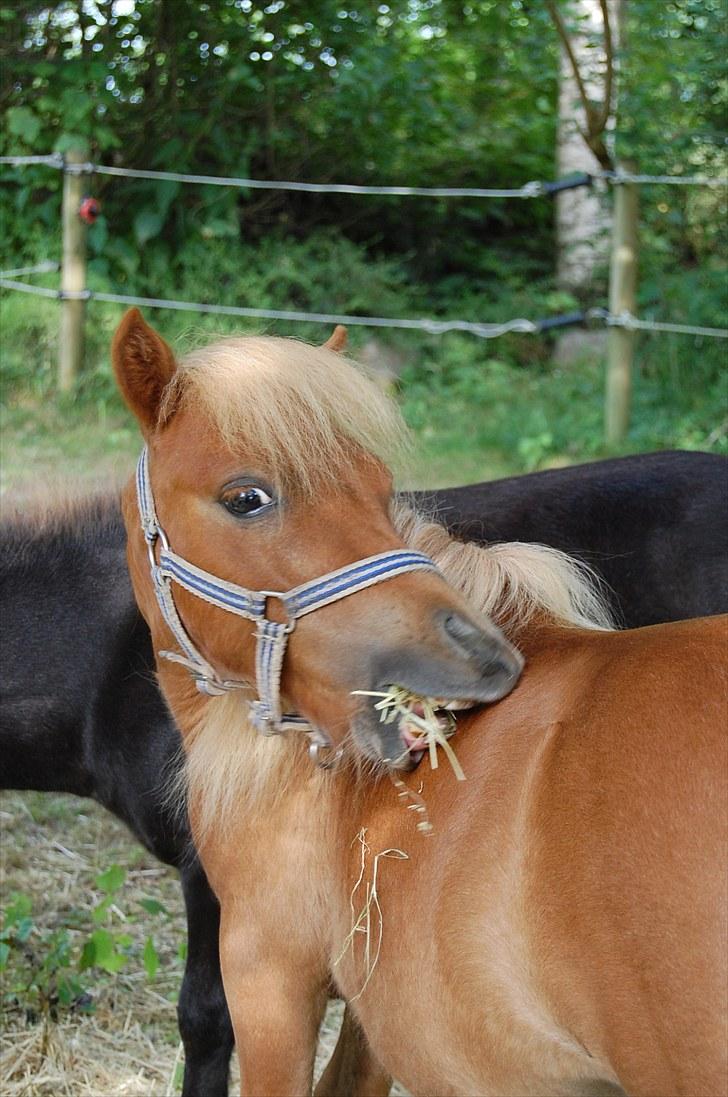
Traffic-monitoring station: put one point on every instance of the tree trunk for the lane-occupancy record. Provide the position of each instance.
(583, 218)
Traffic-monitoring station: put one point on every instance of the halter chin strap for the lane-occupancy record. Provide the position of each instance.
(167, 567)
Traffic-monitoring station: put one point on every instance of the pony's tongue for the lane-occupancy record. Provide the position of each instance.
(413, 737)
(414, 740)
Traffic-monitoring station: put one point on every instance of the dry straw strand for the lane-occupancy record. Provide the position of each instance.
(362, 922)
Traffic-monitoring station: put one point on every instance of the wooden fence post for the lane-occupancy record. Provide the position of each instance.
(622, 298)
(73, 274)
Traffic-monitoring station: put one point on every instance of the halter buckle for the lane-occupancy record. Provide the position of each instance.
(314, 753)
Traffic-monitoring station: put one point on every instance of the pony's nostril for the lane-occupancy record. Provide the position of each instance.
(491, 651)
(465, 633)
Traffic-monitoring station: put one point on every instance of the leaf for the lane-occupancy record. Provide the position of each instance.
(23, 123)
(18, 919)
(219, 228)
(19, 909)
(99, 912)
(150, 957)
(100, 951)
(153, 906)
(126, 256)
(99, 234)
(4, 953)
(111, 879)
(179, 1073)
(87, 958)
(147, 225)
(68, 142)
(68, 990)
(167, 190)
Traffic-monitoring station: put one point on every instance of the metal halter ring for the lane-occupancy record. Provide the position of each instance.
(314, 753)
(161, 536)
(281, 597)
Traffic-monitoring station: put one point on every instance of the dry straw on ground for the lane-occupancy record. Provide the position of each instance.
(52, 848)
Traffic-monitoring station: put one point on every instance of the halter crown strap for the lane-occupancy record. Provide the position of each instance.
(271, 636)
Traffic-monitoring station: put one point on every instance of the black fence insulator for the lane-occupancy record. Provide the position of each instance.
(566, 320)
(583, 179)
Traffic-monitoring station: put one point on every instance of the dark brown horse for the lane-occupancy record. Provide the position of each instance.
(564, 927)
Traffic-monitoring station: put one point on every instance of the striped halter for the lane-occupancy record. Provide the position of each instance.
(271, 636)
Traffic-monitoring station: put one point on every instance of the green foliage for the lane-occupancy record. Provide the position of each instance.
(325, 272)
(405, 92)
(47, 970)
(408, 92)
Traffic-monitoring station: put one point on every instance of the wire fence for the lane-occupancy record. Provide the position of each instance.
(429, 325)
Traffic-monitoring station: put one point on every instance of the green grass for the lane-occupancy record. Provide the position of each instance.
(478, 409)
(501, 420)
(495, 421)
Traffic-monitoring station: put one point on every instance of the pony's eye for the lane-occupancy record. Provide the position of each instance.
(246, 501)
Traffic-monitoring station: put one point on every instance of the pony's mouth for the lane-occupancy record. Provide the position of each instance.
(415, 737)
(399, 729)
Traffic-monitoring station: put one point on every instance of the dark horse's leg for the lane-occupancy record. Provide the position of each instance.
(204, 1021)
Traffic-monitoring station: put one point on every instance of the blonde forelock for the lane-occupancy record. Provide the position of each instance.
(303, 410)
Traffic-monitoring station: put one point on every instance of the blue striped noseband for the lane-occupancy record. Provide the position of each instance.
(271, 636)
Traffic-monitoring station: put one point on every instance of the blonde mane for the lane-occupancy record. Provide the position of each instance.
(302, 407)
(511, 582)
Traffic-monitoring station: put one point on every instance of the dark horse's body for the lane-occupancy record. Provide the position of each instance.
(81, 712)
(655, 527)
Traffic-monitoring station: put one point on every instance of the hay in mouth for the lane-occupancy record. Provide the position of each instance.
(425, 723)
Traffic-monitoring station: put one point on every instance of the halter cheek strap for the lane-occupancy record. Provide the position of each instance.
(271, 636)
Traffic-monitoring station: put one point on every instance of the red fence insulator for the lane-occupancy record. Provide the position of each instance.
(89, 210)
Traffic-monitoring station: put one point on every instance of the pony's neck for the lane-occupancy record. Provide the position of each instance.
(538, 596)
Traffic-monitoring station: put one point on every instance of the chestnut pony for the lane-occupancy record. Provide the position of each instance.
(562, 929)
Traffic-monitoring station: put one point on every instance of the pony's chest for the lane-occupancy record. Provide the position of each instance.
(434, 955)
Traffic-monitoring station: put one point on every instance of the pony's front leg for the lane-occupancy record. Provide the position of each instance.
(276, 996)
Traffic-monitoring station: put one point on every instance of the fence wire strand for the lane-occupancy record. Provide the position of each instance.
(618, 177)
(633, 323)
(532, 189)
(8, 281)
(430, 326)
(51, 160)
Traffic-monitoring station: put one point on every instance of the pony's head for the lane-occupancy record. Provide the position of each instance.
(266, 462)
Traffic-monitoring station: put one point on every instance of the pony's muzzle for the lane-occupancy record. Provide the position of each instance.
(460, 662)
(459, 658)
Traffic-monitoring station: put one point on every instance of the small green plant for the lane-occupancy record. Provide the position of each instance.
(48, 970)
(42, 977)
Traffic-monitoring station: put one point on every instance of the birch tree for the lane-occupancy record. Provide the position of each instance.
(586, 29)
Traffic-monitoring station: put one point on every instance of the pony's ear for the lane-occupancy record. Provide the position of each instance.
(144, 365)
(337, 340)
